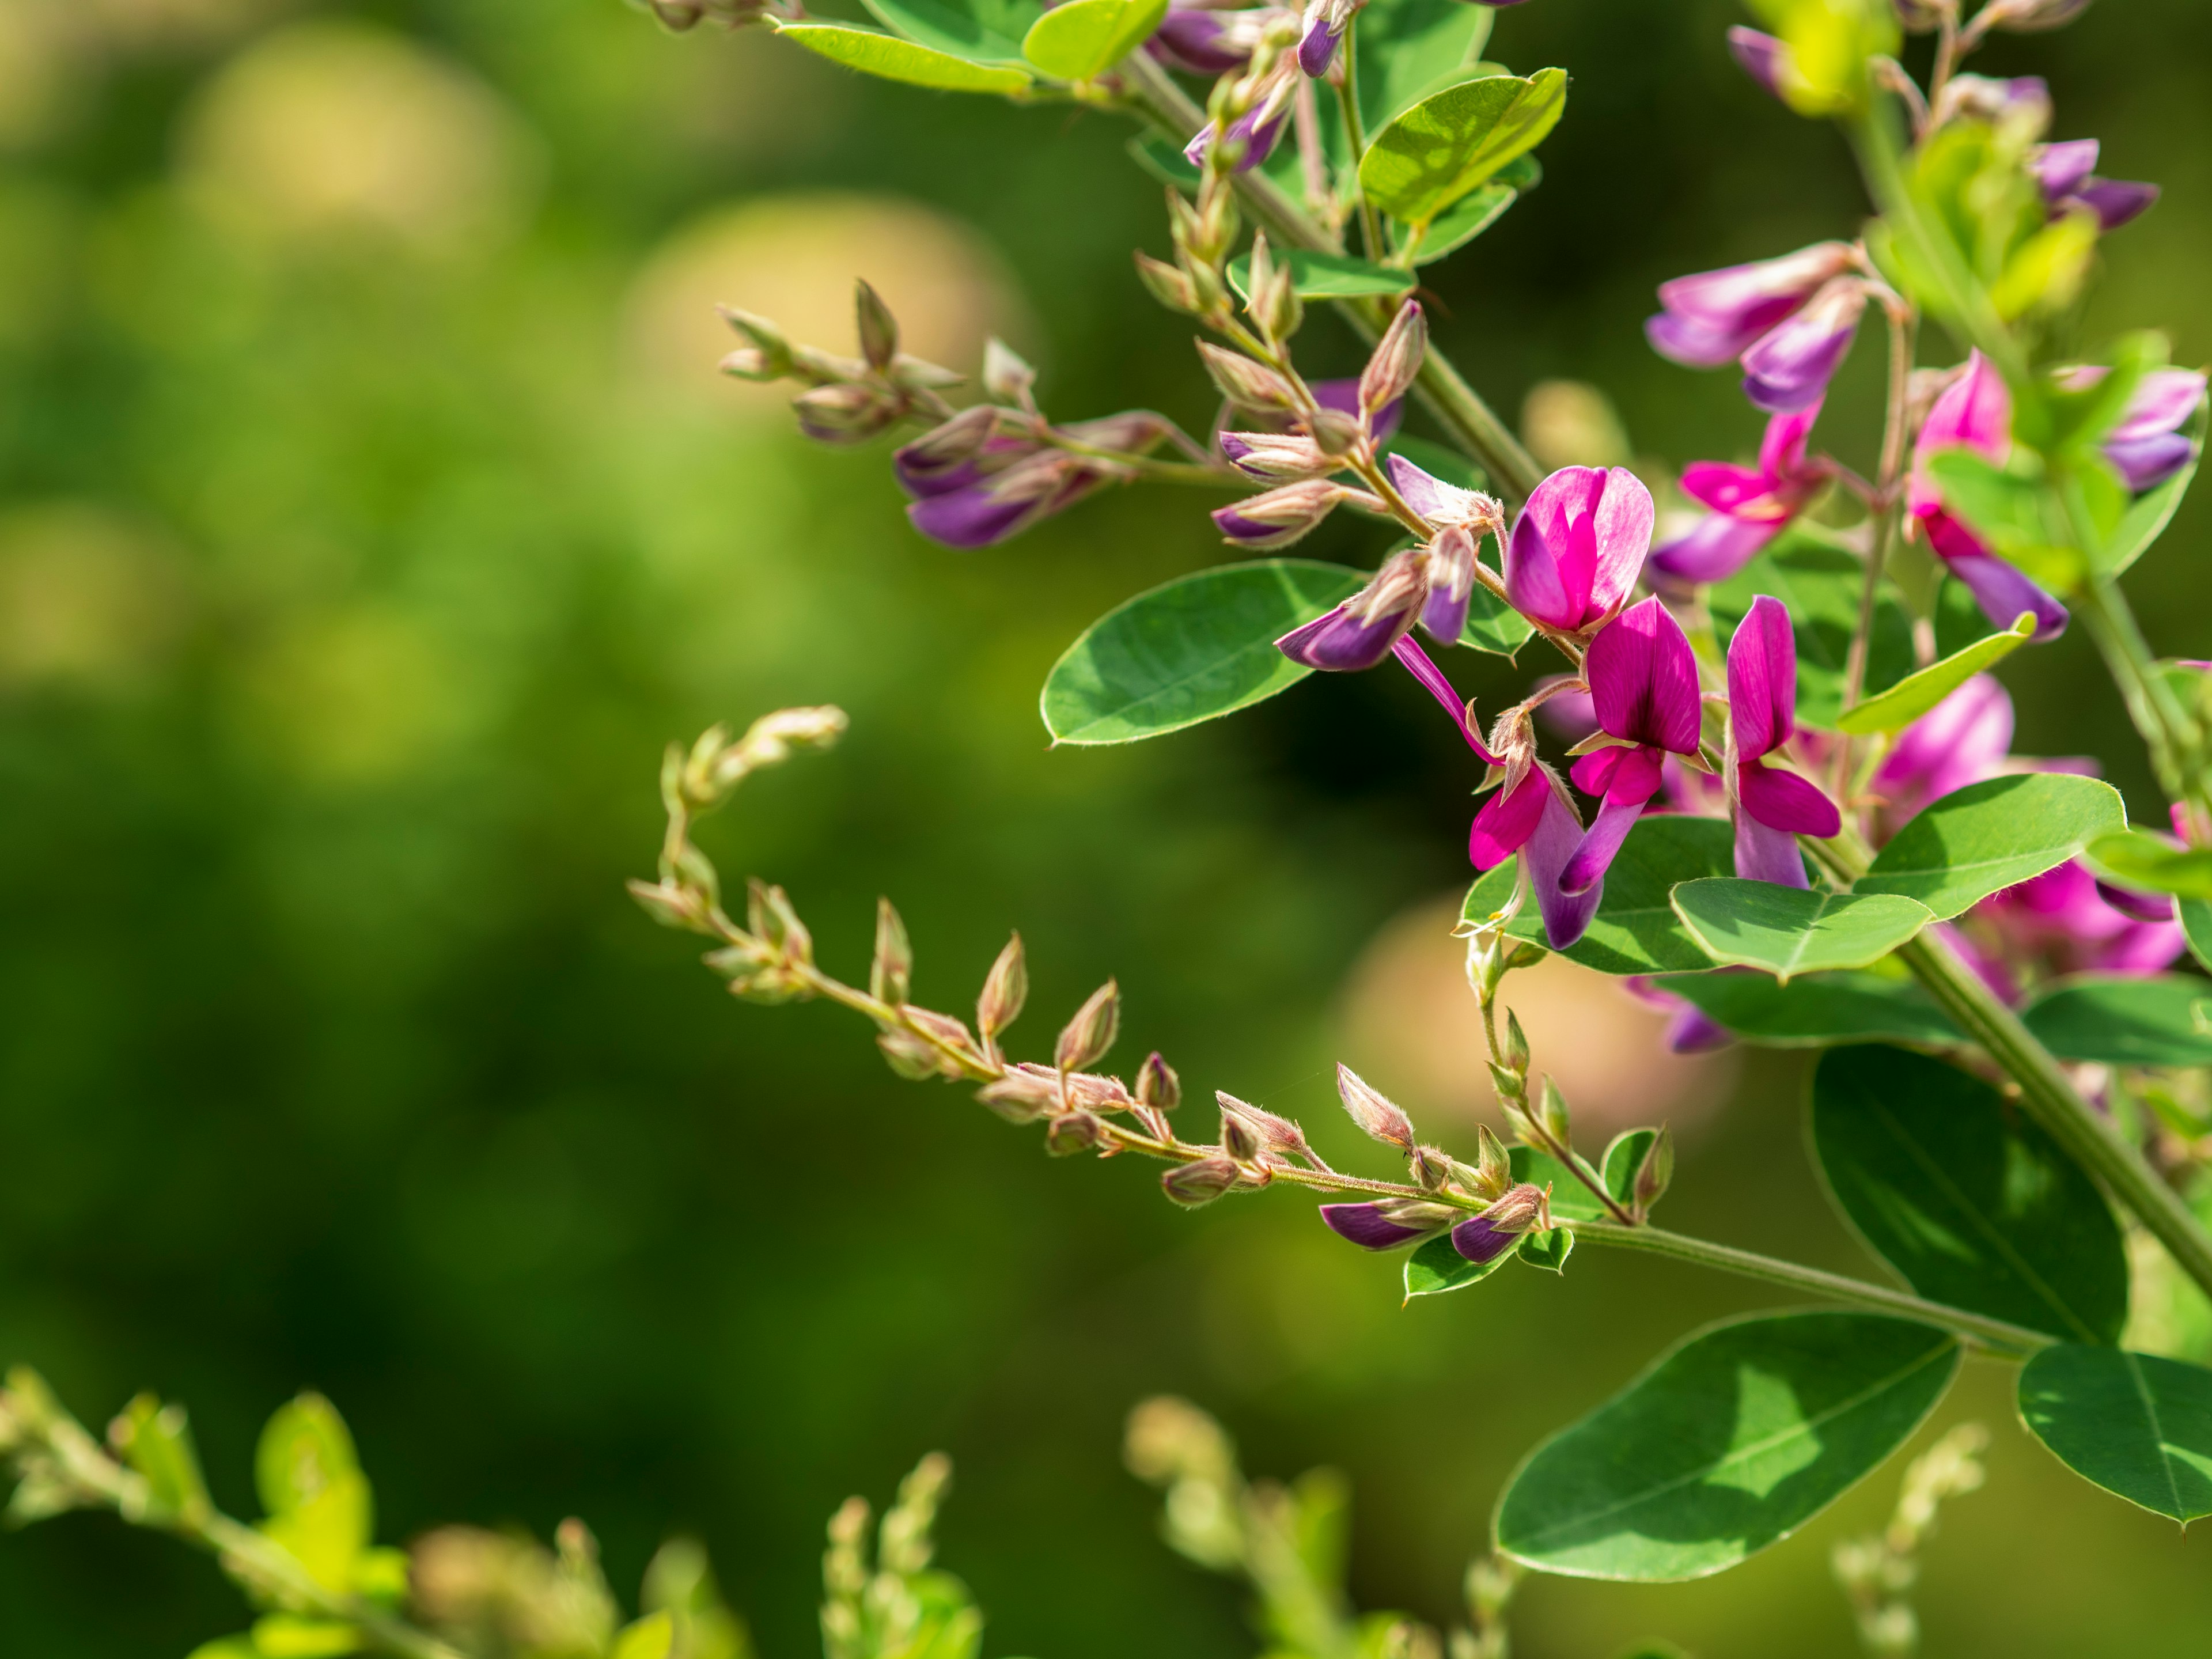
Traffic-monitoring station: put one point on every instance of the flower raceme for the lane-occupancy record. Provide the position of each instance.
(1746, 507)
(975, 483)
(1773, 807)
(1789, 322)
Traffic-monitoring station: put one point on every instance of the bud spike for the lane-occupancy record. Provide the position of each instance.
(1085, 1039)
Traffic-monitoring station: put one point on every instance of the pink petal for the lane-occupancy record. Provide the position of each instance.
(1643, 679)
(1784, 800)
(1781, 451)
(1567, 918)
(1974, 412)
(1962, 740)
(1623, 534)
(1724, 486)
(1507, 819)
(1635, 781)
(1551, 560)
(1716, 549)
(1762, 677)
(1592, 773)
(2163, 400)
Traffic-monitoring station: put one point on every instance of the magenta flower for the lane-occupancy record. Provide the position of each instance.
(2067, 173)
(1643, 685)
(1764, 58)
(1773, 807)
(1962, 740)
(1789, 368)
(1207, 42)
(1574, 554)
(1690, 1029)
(1789, 321)
(2066, 921)
(1975, 412)
(1371, 1226)
(2148, 446)
(1747, 507)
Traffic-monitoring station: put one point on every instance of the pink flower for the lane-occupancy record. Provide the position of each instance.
(1644, 685)
(1575, 554)
(1789, 321)
(1773, 807)
(1747, 507)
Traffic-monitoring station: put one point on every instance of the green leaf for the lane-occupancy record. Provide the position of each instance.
(1437, 1267)
(1990, 836)
(1548, 1250)
(2133, 858)
(318, 1503)
(1458, 224)
(1729, 1442)
(1817, 1010)
(1453, 141)
(1916, 693)
(984, 31)
(1788, 931)
(1623, 1157)
(889, 59)
(2148, 516)
(2123, 1020)
(226, 1647)
(1571, 1200)
(1405, 44)
(1084, 39)
(290, 1636)
(1320, 275)
(1821, 582)
(156, 1441)
(2195, 916)
(1165, 162)
(2138, 1427)
(652, 1635)
(1635, 930)
(1970, 1201)
(1190, 650)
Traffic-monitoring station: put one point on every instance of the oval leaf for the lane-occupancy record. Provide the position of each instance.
(1405, 44)
(986, 31)
(2151, 864)
(1454, 140)
(1817, 1010)
(1916, 693)
(1322, 275)
(1193, 649)
(2119, 1020)
(1729, 1442)
(889, 59)
(1789, 931)
(1456, 226)
(1437, 1267)
(2133, 1423)
(1624, 1156)
(1967, 1199)
(1988, 837)
(1635, 930)
(1085, 38)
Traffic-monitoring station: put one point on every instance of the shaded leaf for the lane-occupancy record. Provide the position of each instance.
(1788, 931)
(2125, 1020)
(2151, 864)
(1160, 158)
(1990, 836)
(888, 58)
(1635, 930)
(2195, 918)
(1917, 693)
(1728, 1443)
(1548, 1250)
(1452, 141)
(1571, 1200)
(1972, 1203)
(1190, 650)
(2138, 1425)
(1624, 1155)
(1082, 39)
(1405, 45)
(1817, 1010)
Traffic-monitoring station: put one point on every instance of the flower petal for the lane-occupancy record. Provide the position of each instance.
(1635, 778)
(1975, 412)
(1765, 854)
(1786, 801)
(1340, 643)
(1559, 832)
(1643, 679)
(1716, 549)
(1508, 819)
(1365, 1226)
(1762, 680)
(1788, 370)
(1550, 559)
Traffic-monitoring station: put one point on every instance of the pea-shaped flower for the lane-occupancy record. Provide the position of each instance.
(1644, 685)
(1574, 555)
(1773, 807)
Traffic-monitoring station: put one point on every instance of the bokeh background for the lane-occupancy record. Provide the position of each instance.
(370, 516)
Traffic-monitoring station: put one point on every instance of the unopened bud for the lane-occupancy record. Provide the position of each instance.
(1166, 284)
(1493, 1171)
(1510, 1085)
(765, 345)
(1524, 954)
(1005, 988)
(1071, 1133)
(1275, 455)
(1277, 517)
(948, 1032)
(845, 414)
(1431, 1168)
(769, 916)
(1005, 375)
(1273, 304)
(1517, 1122)
(1655, 1173)
(1240, 1136)
(951, 442)
(912, 1057)
(1277, 1133)
(1244, 383)
(2029, 17)
(1158, 1085)
(1552, 1111)
(1095, 1093)
(879, 334)
(1375, 1115)
(1085, 1039)
(1516, 1045)
(890, 976)
(672, 906)
(1335, 431)
(1396, 359)
(1201, 1183)
(1023, 1095)
(1217, 217)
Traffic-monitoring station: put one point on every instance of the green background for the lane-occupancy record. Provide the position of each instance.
(352, 574)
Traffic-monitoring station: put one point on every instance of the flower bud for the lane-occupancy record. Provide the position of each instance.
(1158, 1085)
(1097, 1094)
(1166, 284)
(1654, 1173)
(1485, 1237)
(768, 916)
(1396, 360)
(913, 1058)
(1244, 383)
(1511, 1085)
(1071, 1133)
(2029, 17)
(1273, 306)
(1337, 431)
(1277, 517)
(672, 906)
(1005, 988)
(890, 976)
(1432, 1166)
(1240, 1136)
(1493, 1171)
(767, 354)
(1005, 375)
(949, 1032)
(1516, 1045)
(1201, 1183)
(1388, 1224)
(1375, 1115)
(1274, 455)
(1923, 16)
(845, 414)
(1276, 1135)
(1086, 1038)
(879, 329)
(1024, 1095)
(1552, 1111)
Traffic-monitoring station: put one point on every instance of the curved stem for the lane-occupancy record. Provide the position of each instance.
(1994, 1333)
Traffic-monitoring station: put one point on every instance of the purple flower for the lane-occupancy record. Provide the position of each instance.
(1643, 685)
(1259, 128)
(1690, 1030)
(1773, 807)
(1580, 543)
(1766, 60)
(1207, 42)
(1326, 21)
(1747, 507)
(1370, 1227)
(2067, 174)
(1789, 368)
(974, 485)
(2066, 921)
(1975, 412)
(1962, 740)
(1716, 316)
(2146, 447)
(1276, 518)
(1486, 1236)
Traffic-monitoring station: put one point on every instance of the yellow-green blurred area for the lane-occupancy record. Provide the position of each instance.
(370, 516)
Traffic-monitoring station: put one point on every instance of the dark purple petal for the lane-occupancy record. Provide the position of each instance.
(1764, 58)
(1318, 50)
(1559, 832)
(1365, 1225)
(2114, 200)
(2146, 462)
(2138, 907)
(2060, 169)
(1005, 504)
(2001, 591)
(1202, 42)
(1339, 643)
(1343, 397)
(1480, 1239)
(1693, 1031)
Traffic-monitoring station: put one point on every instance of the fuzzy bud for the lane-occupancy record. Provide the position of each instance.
(879, 329)
(1086, 1038)
(1005, 375)
(1375, 1115)
(1493, 1171)
(1552, 1111)
(1154, 1121)
(1396, 359)
(890, 976)
(1276, 1135)
(845, 414)
(1094, 1093)
(766, 355)
(1509, 1085)
(2030, 16)
(1071, 1133)
(1271, 456)
(1431, 1168)
(1655, 1173)
(1244, 383)
(769, 916)
(1193, 1184)
(1273, 306)
(1240, 1136)
(1023, 1095)
(1170, 286)
(1516, 1045)
(1005, 988)
(1158, 1085)
(1277, 517)
(915, 1058)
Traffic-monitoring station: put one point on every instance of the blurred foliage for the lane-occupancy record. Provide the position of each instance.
(370, 516)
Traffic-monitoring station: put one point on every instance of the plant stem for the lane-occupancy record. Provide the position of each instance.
(1994, 1333)
(1903, 329)
(1151, 93)
(1347, 94)
(2176, 740)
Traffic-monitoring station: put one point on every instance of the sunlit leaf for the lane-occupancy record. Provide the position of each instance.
(1788, 931)
(1455, 140)
(1322, 275)
(2151, 864)
(1437, 1267)
(2138, 1425)
(2125, 1019)
(891, 59)
(1991, 836)
(1082, 39)
(1917, 693)
(987, 31)
(1635, 930)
